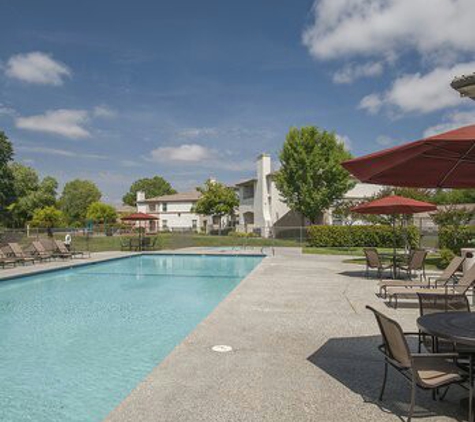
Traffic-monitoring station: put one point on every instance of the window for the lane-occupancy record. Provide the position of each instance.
(152, 207)
(164, 224)
(194, 224)
(248, 192)
(179, 214)
(164, 207)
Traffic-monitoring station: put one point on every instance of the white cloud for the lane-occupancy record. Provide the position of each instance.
(37, 68)
(345, 140)
(60, 152)
(200, 156)
(184, 153)
(350, 73)
(419, 93)
(378, 28)
(451, 121)
(192, 133)
(103, 111)
(64, 122)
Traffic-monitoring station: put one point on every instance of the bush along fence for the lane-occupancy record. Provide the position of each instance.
(362, 236)
(455, 238)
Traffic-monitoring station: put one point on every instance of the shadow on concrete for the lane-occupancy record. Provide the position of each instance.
(357, 274)
(356, 363)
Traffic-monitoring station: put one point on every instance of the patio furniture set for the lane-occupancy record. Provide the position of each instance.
(446, 325)
(13, 254)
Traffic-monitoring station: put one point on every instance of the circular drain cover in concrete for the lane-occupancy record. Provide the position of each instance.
(221, 348)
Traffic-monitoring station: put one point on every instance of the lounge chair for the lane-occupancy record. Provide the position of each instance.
(61, 251)
(429, 371)
(373, 261)
(448, 275)
(61, 247)
(40, 250)
(5, 260)
(415, 263)
(460, 287)
(19, 254)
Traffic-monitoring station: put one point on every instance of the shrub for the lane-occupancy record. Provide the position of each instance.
(455, 238)
(361, 236)
(446, 255)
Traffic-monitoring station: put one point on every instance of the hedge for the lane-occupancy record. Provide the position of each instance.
(361, 236)
(456, 238)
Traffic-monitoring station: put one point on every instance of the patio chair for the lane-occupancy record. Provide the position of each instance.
(125, 244)
(5, 260)
(415, 263)
(19, 254)
(41, 251)
(460, 287)
(435, 303)
(65, 252)
(428, 371)
(373, 261)
(448, 275)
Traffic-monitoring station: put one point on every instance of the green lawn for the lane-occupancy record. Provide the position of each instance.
(177, 241)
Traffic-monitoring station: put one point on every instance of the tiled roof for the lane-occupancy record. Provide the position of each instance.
(177, 197)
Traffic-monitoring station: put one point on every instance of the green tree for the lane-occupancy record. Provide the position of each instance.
(101, 213)
(342, 209)
(451, 216)
(30, 193)
(311, 178)
(7, 191)
(154, 186)
(48, 218)
(217, 200)
(76, 197)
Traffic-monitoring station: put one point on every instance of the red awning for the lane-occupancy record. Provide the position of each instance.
(394, 205)
(442, 161)
(139, 216)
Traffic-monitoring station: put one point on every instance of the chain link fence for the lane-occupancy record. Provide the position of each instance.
(102, 239)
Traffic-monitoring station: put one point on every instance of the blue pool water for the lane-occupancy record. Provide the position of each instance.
(74, 343)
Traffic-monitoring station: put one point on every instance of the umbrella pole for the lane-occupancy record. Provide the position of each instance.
(394, 246)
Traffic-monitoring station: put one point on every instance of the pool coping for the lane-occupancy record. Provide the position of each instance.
(99, 260)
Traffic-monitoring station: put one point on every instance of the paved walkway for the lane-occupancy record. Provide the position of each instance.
(304, 349)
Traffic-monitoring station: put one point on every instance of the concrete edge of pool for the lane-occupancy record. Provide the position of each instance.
(7, 274)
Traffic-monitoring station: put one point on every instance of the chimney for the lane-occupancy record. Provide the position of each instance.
(140, 196)
(263, 166)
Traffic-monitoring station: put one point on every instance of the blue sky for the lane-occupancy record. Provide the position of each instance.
(113, 90)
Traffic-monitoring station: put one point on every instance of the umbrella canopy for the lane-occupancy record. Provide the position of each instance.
(139, 216)
(394, 205)
(442, 161)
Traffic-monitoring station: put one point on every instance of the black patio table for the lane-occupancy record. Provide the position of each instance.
(458, 327)
(396, 258)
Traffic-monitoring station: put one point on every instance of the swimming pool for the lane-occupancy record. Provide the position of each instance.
(75, 342)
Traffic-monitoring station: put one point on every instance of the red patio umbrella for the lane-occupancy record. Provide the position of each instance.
(394, 204)
(446, 160)
(139, 216)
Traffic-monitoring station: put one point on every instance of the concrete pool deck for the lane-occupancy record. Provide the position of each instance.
(304, 349)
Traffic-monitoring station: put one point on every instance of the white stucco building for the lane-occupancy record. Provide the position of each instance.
(174, 212)
(262, 210)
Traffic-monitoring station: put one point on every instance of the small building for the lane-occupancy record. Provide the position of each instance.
(174, 212)
(262, 210)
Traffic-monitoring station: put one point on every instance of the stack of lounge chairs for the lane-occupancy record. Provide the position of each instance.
(13, 254)
(450, 282)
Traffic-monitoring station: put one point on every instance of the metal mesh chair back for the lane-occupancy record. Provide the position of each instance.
(417, 259)
(452, 268)
(395, 343)
(466, 281)
(433, 303)
(372, 258)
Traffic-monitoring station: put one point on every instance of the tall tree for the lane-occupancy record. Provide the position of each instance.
(30, 193)
(76, 197)
(154, 186)
(217, 200)
(101, 213)
(311, 178)
(48, 218)
(7, 191)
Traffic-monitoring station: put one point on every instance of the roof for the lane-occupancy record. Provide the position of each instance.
(176, 197)
(125, 208)
(245, 182)
(139, 216)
